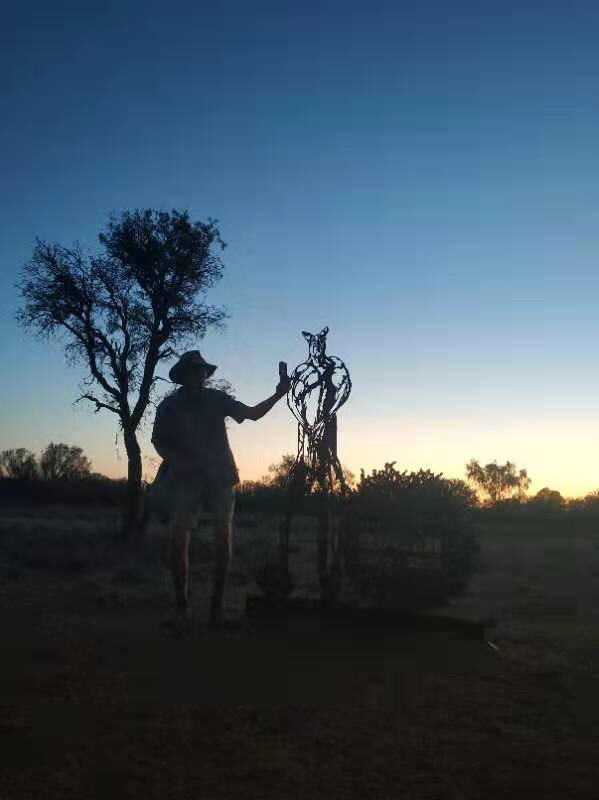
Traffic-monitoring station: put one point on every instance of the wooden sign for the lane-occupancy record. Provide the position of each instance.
(405, 576)
(374, 553)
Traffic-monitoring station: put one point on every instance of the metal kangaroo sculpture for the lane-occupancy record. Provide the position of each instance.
(319, 388)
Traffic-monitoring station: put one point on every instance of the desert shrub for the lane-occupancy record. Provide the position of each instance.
(257, 497)
(409, 537)
(584, 510)
(257, 556)
(547, 501)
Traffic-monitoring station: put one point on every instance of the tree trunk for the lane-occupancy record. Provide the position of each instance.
(133, 509)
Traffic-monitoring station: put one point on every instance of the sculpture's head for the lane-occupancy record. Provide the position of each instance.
(317, 343)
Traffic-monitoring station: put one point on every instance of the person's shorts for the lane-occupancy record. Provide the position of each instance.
(181, 498)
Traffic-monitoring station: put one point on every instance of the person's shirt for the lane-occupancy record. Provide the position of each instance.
(192, 432)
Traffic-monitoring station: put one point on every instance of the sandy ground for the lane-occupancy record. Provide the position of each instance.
(98, 701)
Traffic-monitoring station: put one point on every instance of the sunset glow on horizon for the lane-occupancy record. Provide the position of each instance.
(559, 458)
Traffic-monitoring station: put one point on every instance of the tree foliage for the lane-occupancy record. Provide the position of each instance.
(19, 463)
(586, 506)
(127, 309)
(498, 481)
(280, 473)
(548, 500)
(413, 504)
(64, 462)
(57, 462)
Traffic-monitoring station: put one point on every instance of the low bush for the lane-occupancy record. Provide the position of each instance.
(409, 537)
(275, 583)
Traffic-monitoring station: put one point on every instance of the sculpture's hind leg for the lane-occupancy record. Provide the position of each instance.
(324, 524)
(296, 489)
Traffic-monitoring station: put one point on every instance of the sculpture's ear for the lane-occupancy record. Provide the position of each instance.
(324, 331)
(306, 335)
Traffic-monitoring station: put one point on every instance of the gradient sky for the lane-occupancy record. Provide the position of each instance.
(422, 177)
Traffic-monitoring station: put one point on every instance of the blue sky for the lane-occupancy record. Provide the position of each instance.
(420, 177)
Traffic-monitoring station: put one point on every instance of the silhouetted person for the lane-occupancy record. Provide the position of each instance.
(198, 471)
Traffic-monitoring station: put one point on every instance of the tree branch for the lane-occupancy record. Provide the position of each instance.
(93, 364)
(99, 404)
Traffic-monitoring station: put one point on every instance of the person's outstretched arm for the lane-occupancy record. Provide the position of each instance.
(258, 411)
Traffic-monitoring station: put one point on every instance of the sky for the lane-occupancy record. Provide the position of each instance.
(419, 176)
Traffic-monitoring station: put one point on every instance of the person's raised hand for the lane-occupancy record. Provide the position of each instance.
(283, 386)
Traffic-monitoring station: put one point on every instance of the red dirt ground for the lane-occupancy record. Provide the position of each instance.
(102, 703)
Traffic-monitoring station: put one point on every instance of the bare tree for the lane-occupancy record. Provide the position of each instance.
(125, 310)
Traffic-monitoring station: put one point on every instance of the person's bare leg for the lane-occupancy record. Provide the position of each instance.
(179, 565)
(223, 539)
(222, 556)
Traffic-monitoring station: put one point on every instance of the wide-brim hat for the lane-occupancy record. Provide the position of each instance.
(177, 372)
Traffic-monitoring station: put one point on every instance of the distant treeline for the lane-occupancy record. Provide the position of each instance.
(62, 475)
(98, 490)
(57, 461)
(255, 497)
(95, 490)
(548, 508)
